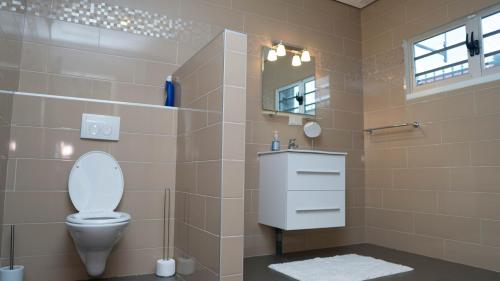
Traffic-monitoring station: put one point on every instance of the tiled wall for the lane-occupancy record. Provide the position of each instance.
(331, 31)
(210, 162)
(436, 190)
(46, 141)
(10, 60)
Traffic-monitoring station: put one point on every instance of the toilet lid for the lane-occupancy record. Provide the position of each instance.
(96, 182)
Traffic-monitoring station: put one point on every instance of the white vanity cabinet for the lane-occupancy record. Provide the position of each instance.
(302, 189)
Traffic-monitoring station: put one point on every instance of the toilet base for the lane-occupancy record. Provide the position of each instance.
(94, 244)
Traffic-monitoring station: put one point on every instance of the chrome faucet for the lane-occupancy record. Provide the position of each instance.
(292, 144)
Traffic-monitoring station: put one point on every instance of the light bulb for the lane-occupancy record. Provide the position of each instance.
(281, 51)
(306, 57)
(271, 56)
(296, 61)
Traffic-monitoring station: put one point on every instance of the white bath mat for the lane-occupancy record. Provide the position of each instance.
(350, 267)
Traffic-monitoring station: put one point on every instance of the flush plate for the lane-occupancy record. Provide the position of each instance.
(100, 127)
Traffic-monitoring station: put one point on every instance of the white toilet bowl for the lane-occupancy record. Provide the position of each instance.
(96, 188)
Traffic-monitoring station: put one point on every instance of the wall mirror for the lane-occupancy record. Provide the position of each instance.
(288, 80)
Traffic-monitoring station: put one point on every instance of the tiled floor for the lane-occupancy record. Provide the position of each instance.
(426, 269)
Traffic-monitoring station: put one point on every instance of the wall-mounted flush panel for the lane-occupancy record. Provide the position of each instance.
(100, 127)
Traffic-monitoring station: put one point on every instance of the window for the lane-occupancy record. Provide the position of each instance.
(297, 97)
(464, 53)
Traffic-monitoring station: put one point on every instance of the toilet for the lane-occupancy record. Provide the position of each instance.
(96, 188)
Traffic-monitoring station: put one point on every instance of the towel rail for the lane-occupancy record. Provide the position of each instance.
(413, 124)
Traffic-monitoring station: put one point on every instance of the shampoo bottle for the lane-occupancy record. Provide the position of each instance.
(170, 92)
(275, 144)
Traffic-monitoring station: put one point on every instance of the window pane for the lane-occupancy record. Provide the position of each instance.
(287, 101)
(442, 74)
(309, 86)
(491, 44)
(491, 23)
(441, 60)
(491, 40)
(440, 41)
(310, 98)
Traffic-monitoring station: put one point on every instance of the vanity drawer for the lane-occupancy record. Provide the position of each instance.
(316, 172)
(315, 209)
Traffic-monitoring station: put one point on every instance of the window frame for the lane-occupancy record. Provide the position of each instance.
(477, 73)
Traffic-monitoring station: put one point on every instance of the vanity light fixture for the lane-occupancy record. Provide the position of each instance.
(272, 56)
(296, 60)
(280, 50)
(306, 56)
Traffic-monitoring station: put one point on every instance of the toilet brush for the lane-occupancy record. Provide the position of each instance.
(12, 272)
(165, 267)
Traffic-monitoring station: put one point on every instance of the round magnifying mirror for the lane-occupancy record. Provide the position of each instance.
(312, 129)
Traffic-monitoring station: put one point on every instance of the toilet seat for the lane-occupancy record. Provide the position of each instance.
(96, 187)
(98, 218)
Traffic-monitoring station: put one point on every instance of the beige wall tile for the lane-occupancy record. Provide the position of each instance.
(33, 82)
(236, 41)
(410, 200)
(487, 101)
(387, 158)
(90, 65)
(196, 211)
(232, 214)
(231, 255)
(148, 176)
(132, 262)
(71, 86)
(273, 9)
(373, 198)
(137, 46)
(40, 207)
(467, 204)
(395, 220)
(34, 57)
(151, 72)
(485, 153)
(446, 155)
(234, 104)
(205, 247)
(51, 239)
(490, 233)
(475, 179)
(235, 65)
(423, 178)
(208, 175)
(213, 215)
(233, 141)
(233, 179)
(473, 254)
(133, 203)
(455, 228)
(144, 148)
(38, 175)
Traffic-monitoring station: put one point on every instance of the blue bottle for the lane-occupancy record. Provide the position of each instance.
(169, 88)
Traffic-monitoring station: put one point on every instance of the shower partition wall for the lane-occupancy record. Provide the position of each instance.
(211, 160)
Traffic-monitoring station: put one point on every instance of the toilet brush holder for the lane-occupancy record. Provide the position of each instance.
(14, 274)
(165, 267)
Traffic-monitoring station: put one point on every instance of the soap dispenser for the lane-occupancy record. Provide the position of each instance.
(275, 144)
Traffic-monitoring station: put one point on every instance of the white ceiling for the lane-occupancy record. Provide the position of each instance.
(357, 3)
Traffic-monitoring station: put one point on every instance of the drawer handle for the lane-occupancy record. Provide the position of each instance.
(317, 210)
(331, 172)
